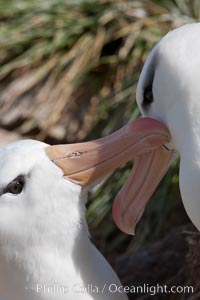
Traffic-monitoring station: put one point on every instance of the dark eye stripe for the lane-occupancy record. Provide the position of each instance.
(148, 95)
(15, 186)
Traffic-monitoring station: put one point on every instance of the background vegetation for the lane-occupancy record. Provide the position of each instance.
(69, 71)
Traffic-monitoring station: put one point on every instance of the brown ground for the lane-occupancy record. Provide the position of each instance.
(174, 260)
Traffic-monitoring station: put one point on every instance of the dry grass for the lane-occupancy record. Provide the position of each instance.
(56, 49)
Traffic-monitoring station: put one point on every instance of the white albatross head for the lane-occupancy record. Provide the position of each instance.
(36, 203)
(169, 91)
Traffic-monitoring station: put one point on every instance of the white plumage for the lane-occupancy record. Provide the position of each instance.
(44, 237)
(173, 70)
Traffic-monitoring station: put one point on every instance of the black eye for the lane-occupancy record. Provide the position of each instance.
(16, 186)
(148, 95)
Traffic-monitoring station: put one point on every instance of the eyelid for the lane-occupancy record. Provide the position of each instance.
(18, 178)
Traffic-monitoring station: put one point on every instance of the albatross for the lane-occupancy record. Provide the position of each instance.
(169, 91)
(45, 247)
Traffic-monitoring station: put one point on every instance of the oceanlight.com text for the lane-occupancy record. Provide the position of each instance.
(57, 289)
(151, 289)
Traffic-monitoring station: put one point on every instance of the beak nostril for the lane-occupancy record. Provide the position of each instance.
(166, 147)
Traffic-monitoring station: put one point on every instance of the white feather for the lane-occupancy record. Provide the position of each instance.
(173, 68)
(44, 237)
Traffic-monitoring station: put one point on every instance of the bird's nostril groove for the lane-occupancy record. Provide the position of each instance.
(166, 147)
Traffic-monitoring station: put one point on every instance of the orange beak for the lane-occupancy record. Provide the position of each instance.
(85, 163)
